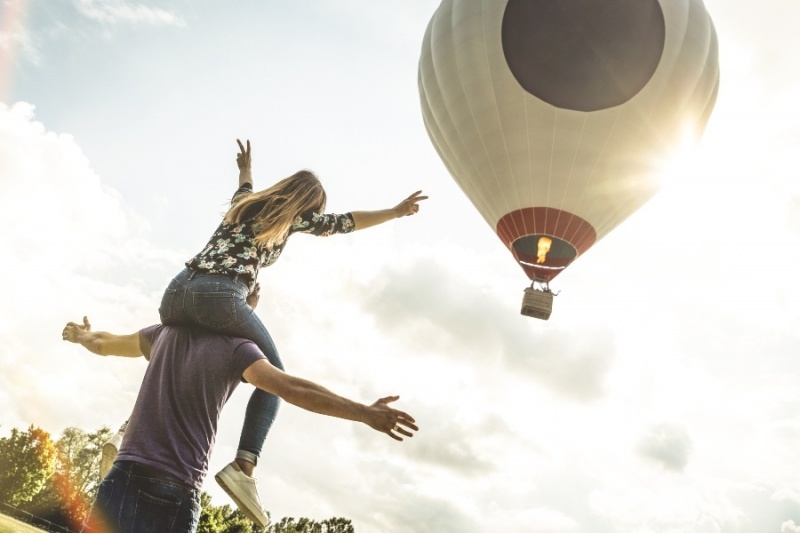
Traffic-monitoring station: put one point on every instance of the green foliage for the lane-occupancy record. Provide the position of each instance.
(79, 458)
(238, 522)
(222, 518)
(211, 517)
(225, 519)
(27, 460)
(68, 494)
(304, 524)
(58, 481)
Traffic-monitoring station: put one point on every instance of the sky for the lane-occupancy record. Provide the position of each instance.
(662, 394)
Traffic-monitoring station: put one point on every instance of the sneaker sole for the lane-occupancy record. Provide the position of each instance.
(110, 450)
(239, 503)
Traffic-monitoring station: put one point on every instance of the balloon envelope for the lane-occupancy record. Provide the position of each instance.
(553, 115)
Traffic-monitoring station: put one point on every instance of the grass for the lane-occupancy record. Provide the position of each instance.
(9, 524)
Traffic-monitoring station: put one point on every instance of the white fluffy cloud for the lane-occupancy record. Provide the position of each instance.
(69, 242)
(667, 444)
(123, 11)
(790, 526)
(451, 315)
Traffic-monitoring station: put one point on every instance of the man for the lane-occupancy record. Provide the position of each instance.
(154, 485)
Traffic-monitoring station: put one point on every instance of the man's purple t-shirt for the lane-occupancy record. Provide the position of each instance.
(191, 375)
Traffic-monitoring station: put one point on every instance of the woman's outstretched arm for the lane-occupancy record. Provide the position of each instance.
(409, 206)
(361, 219)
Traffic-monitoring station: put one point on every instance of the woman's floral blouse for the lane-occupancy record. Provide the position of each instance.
(231, 250)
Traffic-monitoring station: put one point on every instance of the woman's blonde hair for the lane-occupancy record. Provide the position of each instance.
(273, 210)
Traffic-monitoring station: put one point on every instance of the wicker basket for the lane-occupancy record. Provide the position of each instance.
(537, 303)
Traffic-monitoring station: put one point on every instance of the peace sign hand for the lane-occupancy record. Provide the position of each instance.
(243, 157)
(409, 205)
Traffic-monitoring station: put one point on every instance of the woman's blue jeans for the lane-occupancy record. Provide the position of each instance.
(218, 302)
(137, 498)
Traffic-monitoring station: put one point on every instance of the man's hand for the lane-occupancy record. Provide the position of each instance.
(410, 205)
(390, 421)
(101, 343)
(254, 296)
(73, 331)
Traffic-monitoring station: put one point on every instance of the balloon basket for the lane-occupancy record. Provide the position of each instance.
(537, 303)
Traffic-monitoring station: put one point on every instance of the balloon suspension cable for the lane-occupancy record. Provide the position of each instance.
(543, 285)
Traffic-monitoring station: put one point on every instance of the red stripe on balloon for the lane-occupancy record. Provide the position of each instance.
(545, 221)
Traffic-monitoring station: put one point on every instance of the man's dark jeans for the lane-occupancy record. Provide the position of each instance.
(137, 498)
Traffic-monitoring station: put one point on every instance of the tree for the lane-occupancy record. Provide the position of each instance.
(58, 481)
(79, 458)
(236, 521)
(304, 524)
(221, 518)
(69, 493)
(211, 517)
(27, 460)
(225, 519)
(338, 524)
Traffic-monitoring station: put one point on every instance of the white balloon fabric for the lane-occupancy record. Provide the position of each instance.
(552, 115)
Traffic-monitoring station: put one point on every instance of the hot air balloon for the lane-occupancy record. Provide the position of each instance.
(553, 115)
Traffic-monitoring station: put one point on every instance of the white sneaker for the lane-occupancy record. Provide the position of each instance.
(110, 450)
(242, 489)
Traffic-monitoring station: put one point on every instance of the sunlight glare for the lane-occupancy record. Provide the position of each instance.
(678, 166)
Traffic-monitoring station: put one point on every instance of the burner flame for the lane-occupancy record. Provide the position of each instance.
(542, 248)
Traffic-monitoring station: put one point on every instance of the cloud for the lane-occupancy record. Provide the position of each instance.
(415, 511)
(320, 466)
(532, 518)
(790, 526)
(71, 247)
(124, 12)
(439, 311)
(794, 214)
(456, 445)
(667, 444)
(789, 495)
(15, 36)
(667, 506)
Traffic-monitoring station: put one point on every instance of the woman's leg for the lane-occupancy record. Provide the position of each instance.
(219, 303)
(262, 408)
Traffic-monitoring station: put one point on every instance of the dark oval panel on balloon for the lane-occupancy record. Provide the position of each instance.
(560, 255)
(526, 247)
(583, 55)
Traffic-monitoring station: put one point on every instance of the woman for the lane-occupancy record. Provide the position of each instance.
(214, 289)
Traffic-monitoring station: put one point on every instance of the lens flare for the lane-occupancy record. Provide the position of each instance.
(12, 33)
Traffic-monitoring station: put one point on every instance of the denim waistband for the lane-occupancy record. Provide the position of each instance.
(191, 273)
(144, 470)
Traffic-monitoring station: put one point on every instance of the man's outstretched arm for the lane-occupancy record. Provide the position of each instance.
(102, 343)
(315, 398)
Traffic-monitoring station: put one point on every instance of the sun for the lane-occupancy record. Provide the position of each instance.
(680, 165)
